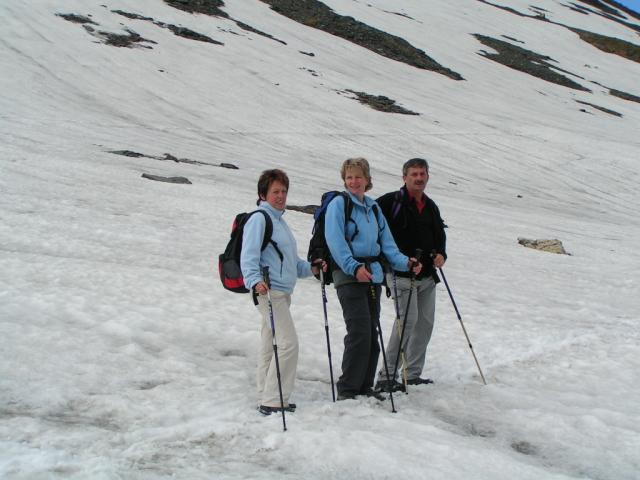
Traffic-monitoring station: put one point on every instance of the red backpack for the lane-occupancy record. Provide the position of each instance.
(229, 261)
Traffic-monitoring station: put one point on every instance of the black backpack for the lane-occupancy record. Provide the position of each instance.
(229, 261)
(318, 247)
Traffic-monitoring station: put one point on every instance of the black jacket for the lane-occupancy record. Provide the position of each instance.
(412, 230)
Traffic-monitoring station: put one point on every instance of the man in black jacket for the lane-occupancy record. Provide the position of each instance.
(415, 222)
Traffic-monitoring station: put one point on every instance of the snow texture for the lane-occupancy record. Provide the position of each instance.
(121, 356)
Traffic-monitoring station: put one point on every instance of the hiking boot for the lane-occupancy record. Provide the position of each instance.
(377, 395)
(266, 410)
(419, 381)
(389, 385)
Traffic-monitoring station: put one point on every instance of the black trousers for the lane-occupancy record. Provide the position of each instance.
(361, 310)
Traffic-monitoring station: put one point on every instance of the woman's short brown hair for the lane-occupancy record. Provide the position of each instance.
(267, 178)
(362, 164)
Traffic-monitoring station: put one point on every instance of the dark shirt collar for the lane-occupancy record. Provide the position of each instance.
(410, 196)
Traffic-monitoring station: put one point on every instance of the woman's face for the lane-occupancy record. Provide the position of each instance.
(355, 181)
(277, 195)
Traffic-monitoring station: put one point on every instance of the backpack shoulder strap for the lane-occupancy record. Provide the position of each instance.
(348, 210)
(376, 213)
(268, 232)
(348, 206)
(397, 203)
(268, 229)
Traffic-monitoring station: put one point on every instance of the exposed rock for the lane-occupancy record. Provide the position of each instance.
(578, 8)
(249, 28)
(602, 6)
(603, 12)
(507, 9)
(315, 14)
(311, 54)
(191, 35)
(552, 246)
(625, 9)
(311, 71)
(400, 14)
(128, 40)
(311, 209)
(158, 178)
(128, 153)
(214, 8)
(133, 16)
(179, 31)
(526, 61)
(512, 39)
(171, 158)
(616, 46)
(538, 9)
(602, 109)
(524, 447)
(72, 17)
(208, 7)
(624, 95)
(381, 103)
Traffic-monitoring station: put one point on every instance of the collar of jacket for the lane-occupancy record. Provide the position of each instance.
(367, 202)
(273, 211)
(407, 196)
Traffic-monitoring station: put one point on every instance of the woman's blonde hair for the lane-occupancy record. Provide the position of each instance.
(362, 164)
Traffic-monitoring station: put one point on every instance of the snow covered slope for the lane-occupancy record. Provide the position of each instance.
(122, 356)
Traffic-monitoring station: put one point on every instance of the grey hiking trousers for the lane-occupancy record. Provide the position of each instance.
(418, 328)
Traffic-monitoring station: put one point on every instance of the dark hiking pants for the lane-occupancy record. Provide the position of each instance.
(361, 314)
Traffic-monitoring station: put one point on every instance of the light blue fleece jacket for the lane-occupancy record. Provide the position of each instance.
(365, 243)
(283, 274)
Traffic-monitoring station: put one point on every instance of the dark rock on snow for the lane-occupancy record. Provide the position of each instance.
(313, 13)
(526, 61)
(310, 209)
(158, 178)
(381, 103)
(72, 17)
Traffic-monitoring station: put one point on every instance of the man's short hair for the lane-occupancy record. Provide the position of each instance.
(414, 163)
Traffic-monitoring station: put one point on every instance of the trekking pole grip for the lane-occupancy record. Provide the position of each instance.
(417, 257)
(419, 253)
(265, 276)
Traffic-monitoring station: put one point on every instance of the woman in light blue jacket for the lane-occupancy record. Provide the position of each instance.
(357, 245)
(285, 267)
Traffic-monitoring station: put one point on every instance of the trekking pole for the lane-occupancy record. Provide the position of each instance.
(461, 324)
(372, 289)
(405, 379)
(406, 314)
(265, 275)
(326, 331)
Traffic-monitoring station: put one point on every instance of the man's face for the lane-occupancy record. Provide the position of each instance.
(416, 179)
